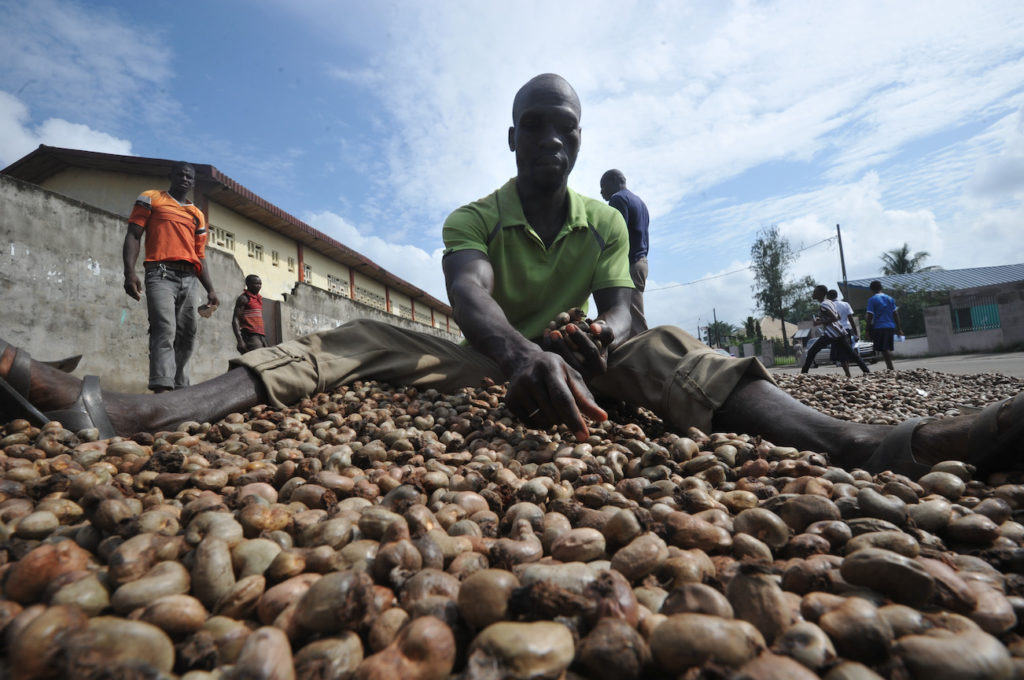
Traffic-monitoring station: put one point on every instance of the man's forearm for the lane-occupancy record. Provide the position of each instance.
(130, 252)
(204, 277)
(613, 306)
(487, 328)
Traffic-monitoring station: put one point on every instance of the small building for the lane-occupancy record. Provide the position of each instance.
(985, 309)
(771, 328)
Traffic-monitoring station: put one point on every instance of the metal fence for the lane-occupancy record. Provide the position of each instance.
(975, 313)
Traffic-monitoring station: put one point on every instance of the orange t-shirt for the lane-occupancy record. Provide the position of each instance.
(174, 231)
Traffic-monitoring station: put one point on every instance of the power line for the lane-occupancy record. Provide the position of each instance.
(735, 271)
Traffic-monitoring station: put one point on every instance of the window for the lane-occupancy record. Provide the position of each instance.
(337, 284)
(404, 311)
(975, 313)
(370, 298)
(256, 251)
(222, 238)
(291, 264)
(307, 272)
(274, 258)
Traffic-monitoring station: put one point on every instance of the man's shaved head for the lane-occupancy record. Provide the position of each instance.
(614, 177)
(543, 89)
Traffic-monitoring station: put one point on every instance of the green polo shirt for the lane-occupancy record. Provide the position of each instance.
(532, 284)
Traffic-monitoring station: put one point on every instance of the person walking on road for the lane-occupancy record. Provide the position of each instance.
(176, 234)
(832, 335)
(883, 321)
(846, 317)
(634, 211)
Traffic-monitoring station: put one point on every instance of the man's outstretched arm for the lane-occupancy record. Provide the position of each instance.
(543, 388)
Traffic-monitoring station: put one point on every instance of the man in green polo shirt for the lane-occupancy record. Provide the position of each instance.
(534, 248)
(514, 260)
(523, 264)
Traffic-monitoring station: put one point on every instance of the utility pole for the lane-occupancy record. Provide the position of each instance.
(718, 339)
(842, 262)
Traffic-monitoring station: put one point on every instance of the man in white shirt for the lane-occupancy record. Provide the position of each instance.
(832, 335)
(846, 318)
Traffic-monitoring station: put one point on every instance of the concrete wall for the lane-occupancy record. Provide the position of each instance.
(1011, 314)
(911, 347)
(308, 309)
(939, 323)
(61, 283)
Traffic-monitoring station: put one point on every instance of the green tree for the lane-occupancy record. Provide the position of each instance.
(912, 304)
(799, 302)
(770, 258)
(900, 261)
(720, 333)
(752, 329)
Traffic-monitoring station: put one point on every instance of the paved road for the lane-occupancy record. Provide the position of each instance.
(1011, 363)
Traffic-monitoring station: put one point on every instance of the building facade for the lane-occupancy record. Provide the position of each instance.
(63, 219)
(262, 238)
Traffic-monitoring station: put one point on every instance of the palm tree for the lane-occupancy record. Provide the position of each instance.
(720, 332)
(899, 261)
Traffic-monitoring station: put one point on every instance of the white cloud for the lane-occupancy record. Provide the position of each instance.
(868, 229)
(724, 294)
(689, 95)
(18, 137)
(15, 139)
(1001, 176)
(415, 265)
(66, 57)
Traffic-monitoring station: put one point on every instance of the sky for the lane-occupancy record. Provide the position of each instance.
(902, 122)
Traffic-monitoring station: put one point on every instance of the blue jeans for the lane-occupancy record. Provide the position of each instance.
(172, 325)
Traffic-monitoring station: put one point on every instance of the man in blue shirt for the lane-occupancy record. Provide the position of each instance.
(883, 321)
(634, 211)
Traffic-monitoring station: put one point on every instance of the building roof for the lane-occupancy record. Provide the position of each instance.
(47, 161)
(772, 327)
(935, 280)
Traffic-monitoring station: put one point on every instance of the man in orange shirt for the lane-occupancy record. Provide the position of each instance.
(176, 236)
